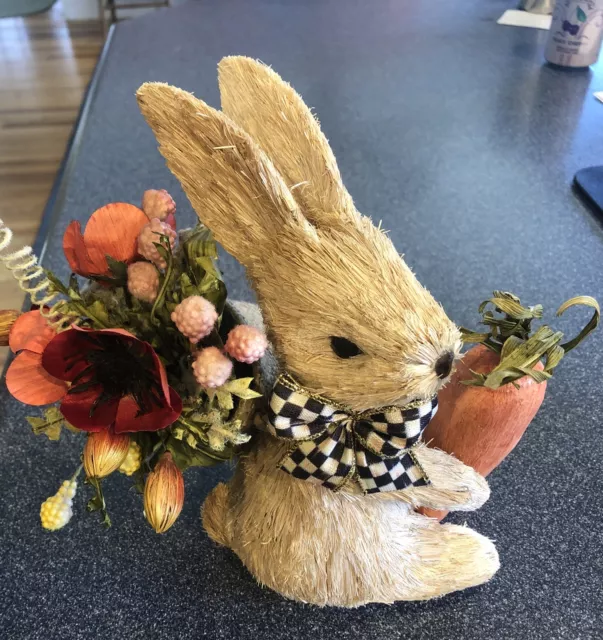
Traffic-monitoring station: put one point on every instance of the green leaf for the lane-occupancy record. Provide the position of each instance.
(505, 294)
(471, 337)
(509, 346)
(99, 312)
(216, 294)
(188, 288)
(553, 357)
(119, 271)
(178, 433)
(197, 427)
(478, 379)
(248, 394)
(139, 480)
(586, 301)
(514, 309)
(40, 426)
(536, 374)
(200, 252)
(207, 265)
(224, 398)
(240, 388)
(57, 285)
(163, 252)
(521, 359)
(199, 242)
(51, 424)
(580, 14)
(186, 456)
(74, 288)
(97, 503)
(93, 504)
(510, 335)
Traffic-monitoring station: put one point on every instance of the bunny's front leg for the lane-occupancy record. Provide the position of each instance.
(454, 486)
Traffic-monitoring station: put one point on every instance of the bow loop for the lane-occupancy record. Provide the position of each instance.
(330, 445)
(295, 415)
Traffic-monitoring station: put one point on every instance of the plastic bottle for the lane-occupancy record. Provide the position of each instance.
(576, 33)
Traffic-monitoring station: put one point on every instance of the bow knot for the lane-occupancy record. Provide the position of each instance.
(331, 445)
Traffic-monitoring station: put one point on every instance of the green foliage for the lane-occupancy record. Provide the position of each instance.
(240, 388)
(185, 455)
(51, 424)
(118, 271)
(209, 433)
(75, 303)
(73, 290)
(57, 285)
(189, 439)
(199, 255)
(97, 503)
(510, 334)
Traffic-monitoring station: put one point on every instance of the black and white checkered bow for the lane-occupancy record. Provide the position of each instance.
(331, 445)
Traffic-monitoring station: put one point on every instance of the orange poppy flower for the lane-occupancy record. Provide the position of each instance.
(112, 231)
(26, 379)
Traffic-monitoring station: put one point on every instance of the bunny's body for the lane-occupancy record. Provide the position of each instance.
(344, 548)
(349, 321)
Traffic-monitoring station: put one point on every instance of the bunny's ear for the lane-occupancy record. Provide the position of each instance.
(276, 117)
(228, 179)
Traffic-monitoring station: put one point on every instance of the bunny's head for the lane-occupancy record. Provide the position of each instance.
(346, 315)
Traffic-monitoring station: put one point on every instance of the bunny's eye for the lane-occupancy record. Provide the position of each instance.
(344, 348)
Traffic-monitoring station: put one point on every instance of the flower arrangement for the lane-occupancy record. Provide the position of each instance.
(135, 352)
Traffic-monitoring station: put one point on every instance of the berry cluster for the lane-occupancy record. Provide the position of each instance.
(56, 511)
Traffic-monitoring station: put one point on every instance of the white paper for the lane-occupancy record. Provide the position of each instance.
(515, 18)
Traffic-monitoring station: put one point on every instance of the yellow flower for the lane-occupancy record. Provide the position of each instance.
(104, 452)
(163, 494)
(56, 511)
(133, 459)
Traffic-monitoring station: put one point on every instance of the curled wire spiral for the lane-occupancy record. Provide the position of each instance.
(32, 279)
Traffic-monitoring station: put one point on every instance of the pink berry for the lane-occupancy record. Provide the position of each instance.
(211, 368)
(195, 317)
(143, 281)
(246, 344)
(150, 235)
(158, 203)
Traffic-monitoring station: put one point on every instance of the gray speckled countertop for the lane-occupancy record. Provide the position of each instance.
(449, 129)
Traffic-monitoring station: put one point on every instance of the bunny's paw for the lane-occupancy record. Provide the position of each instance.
(454, 486)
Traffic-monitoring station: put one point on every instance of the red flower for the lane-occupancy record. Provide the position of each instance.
(26, 379)
(117, 381)
(112, 231)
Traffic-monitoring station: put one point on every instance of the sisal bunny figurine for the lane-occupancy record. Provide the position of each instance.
(321, 508)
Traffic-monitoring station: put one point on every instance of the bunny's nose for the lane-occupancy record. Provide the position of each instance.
(443, 365)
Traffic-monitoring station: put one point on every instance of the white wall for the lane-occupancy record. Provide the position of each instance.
(80, 9)
(88, 10)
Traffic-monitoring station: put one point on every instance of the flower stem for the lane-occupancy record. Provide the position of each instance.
(77, 473)
(153, 452)
(102, 506)
(164, 285)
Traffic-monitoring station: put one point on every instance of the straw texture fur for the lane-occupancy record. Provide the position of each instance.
(346, 549)
(262, 176)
